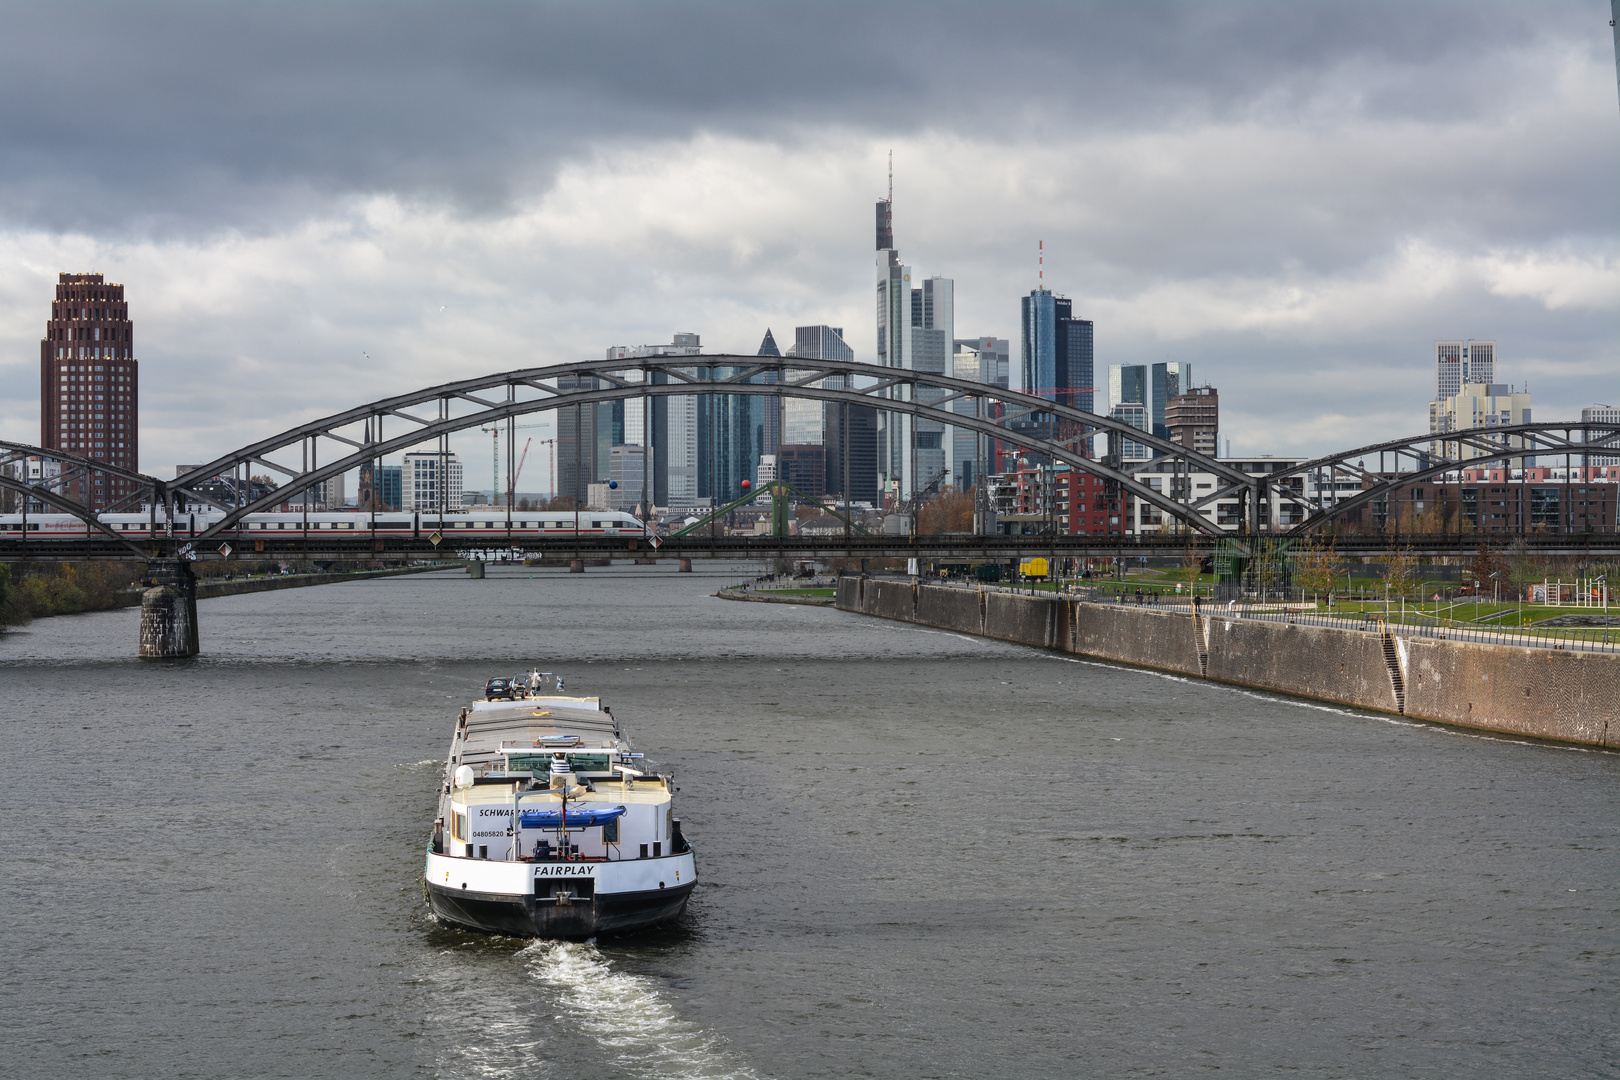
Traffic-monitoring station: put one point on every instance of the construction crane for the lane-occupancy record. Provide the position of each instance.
(495, 455)
(517, 472)
(511, 489)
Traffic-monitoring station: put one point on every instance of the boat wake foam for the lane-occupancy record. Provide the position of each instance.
(627, 1017)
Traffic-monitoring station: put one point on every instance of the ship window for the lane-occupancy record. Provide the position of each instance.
(610, 832)
(458, 826)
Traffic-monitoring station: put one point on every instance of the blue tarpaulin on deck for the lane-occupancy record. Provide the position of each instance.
(579, 817)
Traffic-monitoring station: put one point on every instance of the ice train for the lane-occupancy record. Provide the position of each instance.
(453, 527)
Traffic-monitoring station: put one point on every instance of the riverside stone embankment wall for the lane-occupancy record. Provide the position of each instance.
(1545, 693)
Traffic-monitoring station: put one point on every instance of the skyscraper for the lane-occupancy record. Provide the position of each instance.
(772, 408)
(1458, 363)
(89, 382)
(584, 440)
(673, 428)
(1127, 383)
(1169, 380)
(1193, 419)
(836, 426)
(627, 466)
(730, 435)
(1128, 400)
(804, 420)
(1057, 351)
(984, 360)
(915, 331)
(852, 453)
(1457, 366)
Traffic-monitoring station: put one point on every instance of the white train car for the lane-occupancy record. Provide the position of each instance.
(455, 528)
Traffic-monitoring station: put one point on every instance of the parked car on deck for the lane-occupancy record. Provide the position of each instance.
(499, 690)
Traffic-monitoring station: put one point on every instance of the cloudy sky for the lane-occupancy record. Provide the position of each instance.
(315, 205)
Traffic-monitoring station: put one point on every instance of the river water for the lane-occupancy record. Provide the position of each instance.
(920, 855)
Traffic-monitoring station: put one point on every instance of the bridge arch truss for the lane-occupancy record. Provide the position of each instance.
(315, 452)
(1577, 445)
(312, 453)
(73, 472)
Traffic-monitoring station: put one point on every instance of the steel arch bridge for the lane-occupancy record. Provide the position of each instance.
(1413, 460)
(317, 451)
(360, 434)
(72, 471)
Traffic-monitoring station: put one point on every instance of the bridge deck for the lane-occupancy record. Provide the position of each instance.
(318, 547)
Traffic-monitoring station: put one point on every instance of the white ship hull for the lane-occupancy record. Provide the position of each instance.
(558, 899)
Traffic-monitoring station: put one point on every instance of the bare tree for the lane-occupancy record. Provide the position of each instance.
(1316, 567)
(951, 511)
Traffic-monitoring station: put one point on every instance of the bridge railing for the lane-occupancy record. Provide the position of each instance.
(1409, 624)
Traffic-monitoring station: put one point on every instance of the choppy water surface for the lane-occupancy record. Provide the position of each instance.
(922, 855)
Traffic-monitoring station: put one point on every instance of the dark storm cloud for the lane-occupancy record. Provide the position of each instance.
(174, 118)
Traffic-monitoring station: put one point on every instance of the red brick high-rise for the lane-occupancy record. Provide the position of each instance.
(89, 381)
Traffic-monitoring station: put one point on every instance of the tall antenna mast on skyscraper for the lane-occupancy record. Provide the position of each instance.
(1040, 264)
(891, 177)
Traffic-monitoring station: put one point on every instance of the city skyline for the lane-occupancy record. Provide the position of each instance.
(1344, 234)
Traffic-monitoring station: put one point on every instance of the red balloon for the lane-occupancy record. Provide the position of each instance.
(747, 484)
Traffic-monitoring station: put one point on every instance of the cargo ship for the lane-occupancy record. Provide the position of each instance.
(549, 824)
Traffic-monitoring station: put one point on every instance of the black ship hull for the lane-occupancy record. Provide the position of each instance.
(565, 918)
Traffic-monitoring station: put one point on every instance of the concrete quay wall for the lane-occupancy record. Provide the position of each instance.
(209, 588)
(1543, 693)
(765, 597)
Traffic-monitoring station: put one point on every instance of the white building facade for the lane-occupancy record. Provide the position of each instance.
(1479, 405)
(1601, 414)
(430, 481)
(1174, 479)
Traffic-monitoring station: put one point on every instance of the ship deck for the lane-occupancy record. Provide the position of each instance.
(491, 725)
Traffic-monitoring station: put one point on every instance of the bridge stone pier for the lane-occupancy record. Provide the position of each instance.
(169, 612)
